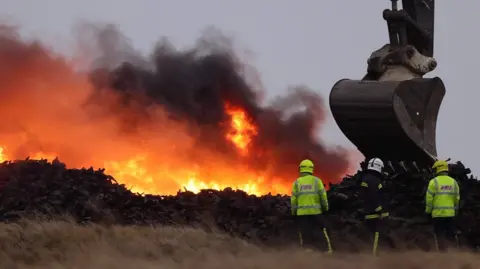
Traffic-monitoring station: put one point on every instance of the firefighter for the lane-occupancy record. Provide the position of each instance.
(441, 204)
(308, 202)
(375, 208)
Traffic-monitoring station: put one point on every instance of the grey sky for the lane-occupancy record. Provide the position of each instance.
(307, 42)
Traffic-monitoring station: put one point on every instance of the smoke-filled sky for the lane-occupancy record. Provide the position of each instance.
(313, 43)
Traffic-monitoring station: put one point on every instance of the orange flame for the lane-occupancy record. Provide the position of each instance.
(49, 110)
(163, 165)
(140, 177)
(241, 129)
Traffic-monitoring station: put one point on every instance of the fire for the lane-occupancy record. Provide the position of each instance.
(141, 177)
(164, 164)
(49, 110)
(241, 129)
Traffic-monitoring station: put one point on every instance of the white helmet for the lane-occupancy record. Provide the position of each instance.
(375, 164)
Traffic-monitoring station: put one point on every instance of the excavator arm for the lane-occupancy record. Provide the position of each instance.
(414, 25)
(391, 113)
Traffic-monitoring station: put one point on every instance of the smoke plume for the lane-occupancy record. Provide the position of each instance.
(159, 122)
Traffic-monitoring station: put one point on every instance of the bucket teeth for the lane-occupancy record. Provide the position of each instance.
(391, 166)
(415, 166)
(402, 165)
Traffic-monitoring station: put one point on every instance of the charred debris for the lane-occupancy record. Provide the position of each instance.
(33, 188)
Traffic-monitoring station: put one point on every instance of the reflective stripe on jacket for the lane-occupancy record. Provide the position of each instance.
(371, 192)
(442, 197)
(309, 196)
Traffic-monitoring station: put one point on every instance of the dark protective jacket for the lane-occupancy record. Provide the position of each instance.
(371, 192)
(442, 197)
(308, 196)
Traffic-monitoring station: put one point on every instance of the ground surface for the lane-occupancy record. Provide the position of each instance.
(64, 245)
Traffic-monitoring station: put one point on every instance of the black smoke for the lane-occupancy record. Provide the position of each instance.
(194, 85)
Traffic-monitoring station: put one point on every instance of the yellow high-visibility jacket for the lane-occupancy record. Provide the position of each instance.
(442, 197)
(309, 196)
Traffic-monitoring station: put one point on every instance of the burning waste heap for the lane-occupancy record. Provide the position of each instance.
(178, 120)
(50, 190)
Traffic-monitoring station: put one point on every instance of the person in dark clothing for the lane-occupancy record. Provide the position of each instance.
(375, 207)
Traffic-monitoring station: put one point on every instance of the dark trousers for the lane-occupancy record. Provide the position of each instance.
(313, 232)
(379, 230)
(444, 230)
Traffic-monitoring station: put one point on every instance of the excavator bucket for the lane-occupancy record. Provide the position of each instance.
(392, 120)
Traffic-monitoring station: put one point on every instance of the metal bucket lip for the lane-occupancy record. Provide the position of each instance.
(401, 113)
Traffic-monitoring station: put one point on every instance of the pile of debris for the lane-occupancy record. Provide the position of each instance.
(52, 190)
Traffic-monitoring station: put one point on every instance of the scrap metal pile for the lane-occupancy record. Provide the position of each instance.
(50, 189)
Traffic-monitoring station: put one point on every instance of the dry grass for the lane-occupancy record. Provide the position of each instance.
(38, 244)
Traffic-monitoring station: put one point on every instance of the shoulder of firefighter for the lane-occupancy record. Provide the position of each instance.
(309, 196)
(371, 191)
(442, 197)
